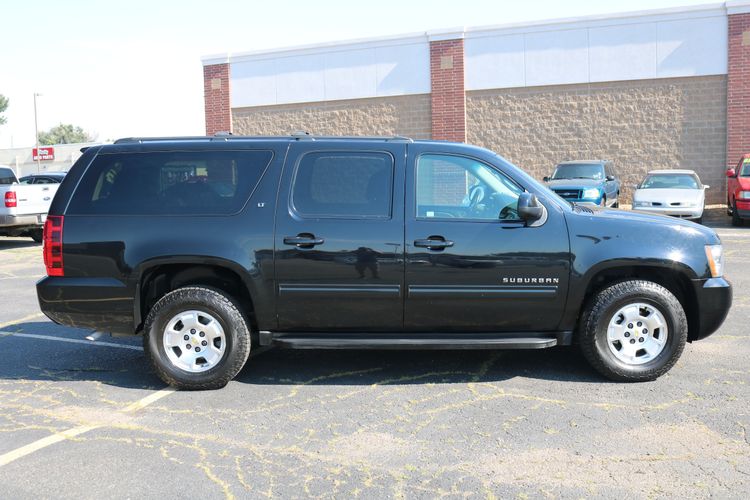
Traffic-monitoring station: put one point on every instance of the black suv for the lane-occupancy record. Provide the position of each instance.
(209, 245)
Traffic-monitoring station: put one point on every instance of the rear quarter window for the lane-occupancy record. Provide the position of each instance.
(169, 183)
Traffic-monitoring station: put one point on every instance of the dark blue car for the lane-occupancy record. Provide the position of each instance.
(586, 181)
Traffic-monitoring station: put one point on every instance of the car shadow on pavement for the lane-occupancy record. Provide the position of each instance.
(29, 357)
(406, 367)
(10, 244)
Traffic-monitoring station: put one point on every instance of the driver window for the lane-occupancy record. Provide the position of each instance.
(456, 187)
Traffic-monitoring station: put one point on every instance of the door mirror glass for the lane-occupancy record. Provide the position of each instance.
(529, 208)
(731, 172)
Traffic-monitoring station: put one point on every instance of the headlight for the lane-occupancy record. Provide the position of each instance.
(591, 193)
(715, 256)
(641, 204)
(743, 195)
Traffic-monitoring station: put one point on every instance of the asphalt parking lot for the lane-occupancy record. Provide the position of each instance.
(91, 420)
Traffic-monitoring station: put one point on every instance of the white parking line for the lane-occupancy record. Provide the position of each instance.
(72, 341)
(30, 448)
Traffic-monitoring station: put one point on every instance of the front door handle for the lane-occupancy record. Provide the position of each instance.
(303, 240)
(433, 243)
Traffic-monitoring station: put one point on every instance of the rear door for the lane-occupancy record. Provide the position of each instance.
(339, 239)
(471, 265)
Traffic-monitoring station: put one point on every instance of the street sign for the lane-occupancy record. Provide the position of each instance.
(43, 154)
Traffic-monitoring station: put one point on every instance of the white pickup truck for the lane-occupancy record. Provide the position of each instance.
(23, 207)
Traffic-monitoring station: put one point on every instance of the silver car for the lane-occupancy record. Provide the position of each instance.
(678, 193)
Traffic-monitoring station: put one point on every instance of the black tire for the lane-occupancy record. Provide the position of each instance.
(36, 235)
(229, 316)
(600, 310)
(699, 220)
(736, 220)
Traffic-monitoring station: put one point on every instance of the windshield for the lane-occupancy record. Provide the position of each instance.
(6, 176)
(671, 181)
(745, 170)
(579, 171)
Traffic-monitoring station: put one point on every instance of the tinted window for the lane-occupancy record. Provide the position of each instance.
(456, 187)
(578, 171)
(343, 184)
(6, 176)
(169, 183)
(26, 180)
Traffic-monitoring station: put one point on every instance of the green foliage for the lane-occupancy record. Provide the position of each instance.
(3, 107)
(64, 133)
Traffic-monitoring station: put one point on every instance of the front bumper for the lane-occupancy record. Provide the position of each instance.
(682, 212)
(714, 301)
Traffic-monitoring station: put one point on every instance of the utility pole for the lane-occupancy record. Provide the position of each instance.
(36, 132)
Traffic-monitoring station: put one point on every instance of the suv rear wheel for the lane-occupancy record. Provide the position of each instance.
(633, 331)
(196, 338)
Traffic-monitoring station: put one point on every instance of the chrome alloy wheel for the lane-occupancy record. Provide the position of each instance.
(637, 333)
(194, 341)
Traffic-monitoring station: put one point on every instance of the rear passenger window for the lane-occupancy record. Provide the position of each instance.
(6, 176)
(169, 183)
(343, 184)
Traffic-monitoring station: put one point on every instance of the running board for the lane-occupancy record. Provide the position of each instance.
(457, 341)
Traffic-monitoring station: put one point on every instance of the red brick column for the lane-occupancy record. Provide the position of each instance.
(738, 88)
(448, 96)
(216, 96)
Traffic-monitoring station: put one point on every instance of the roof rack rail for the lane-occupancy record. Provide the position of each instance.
(228, 136)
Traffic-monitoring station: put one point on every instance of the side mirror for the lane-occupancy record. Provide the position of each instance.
(545, 178)
(731, 172)
(706, 186)
(636, 186)
(610, 177)
(529, 208)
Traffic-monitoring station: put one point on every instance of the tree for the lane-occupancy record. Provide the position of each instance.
(3, 107)
(64, 133)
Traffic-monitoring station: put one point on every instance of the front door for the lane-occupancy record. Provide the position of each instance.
(339, 240)
(471, 264)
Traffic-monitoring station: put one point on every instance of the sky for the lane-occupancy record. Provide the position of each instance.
(120, 69)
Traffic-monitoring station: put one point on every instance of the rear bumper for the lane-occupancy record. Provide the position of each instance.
(102, 304)
(714, 300)
(29, 220)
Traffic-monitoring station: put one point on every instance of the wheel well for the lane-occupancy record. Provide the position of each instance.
(673, 281)
(160, 280)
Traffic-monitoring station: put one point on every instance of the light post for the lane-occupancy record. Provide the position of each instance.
(36, 134)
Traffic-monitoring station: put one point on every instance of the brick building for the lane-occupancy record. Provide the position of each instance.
(657, 89)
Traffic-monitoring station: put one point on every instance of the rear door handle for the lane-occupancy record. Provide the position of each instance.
(303, 240)
(433, 243)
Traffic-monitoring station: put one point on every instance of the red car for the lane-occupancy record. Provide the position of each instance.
(738, 191)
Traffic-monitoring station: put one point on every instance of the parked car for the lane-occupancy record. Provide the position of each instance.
(48, 178)
(211, 246)
(738, 191)
(678, 193)
(24, 208)
(586, 181)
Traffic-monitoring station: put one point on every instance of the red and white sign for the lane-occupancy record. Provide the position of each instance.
(43, 154)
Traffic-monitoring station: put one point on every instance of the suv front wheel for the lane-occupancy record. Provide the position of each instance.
(196, 338)
(633, 331)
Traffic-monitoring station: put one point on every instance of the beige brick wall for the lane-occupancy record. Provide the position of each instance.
(640, 125)
(383, 116)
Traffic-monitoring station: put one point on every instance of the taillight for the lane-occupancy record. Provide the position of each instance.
(53, 245)
(10, 199)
